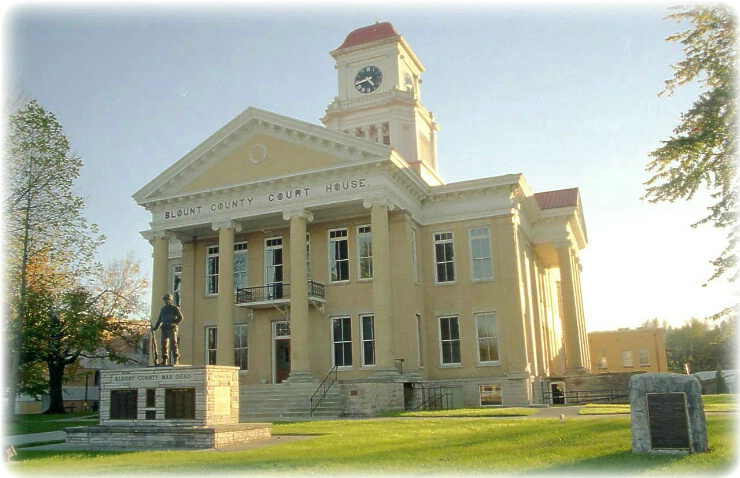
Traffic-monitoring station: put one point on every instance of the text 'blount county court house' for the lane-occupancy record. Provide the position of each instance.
(295, 248)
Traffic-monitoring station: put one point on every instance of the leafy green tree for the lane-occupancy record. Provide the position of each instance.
(703, 345)
(44, 220)
(702, 151)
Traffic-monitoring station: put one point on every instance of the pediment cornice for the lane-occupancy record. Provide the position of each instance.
(240, 130)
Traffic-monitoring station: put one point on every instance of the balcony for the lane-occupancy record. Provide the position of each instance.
(276, 294)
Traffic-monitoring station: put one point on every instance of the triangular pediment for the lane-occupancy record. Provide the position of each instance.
(260, 146)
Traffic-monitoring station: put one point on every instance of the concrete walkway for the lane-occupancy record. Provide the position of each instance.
(34, 438)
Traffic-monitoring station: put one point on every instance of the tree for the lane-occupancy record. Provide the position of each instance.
(702, 151)
(63, 324)
(43, 218)
(703, 345)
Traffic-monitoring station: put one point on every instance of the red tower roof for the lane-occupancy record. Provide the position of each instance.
(370, 33)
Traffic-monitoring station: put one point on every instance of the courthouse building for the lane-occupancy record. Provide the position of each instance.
(295, 249)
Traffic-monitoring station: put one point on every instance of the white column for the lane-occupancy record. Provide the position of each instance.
(300, 366)
(225, 320)
(571, 329)
(160, 276)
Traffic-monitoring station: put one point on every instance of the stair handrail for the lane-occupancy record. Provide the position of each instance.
(322, 386)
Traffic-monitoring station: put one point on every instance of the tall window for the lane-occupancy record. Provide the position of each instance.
(420, 342)
(644, 357)
(414, 263)
(212, 270)
(444, 254)
(342, 340)
(338, 255)
(367, 323)
(240, 266)
(602, 359)
(627, 358)
(480, 253)
(176, 283)
(211, 345)
(308, 257)
(487, 330)
(365, 252)
(449, 333)
(274, 267)
(241, 355)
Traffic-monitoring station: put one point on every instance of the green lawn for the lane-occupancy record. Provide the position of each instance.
(424, 445)
(39, 423)
(472, 412)
(712, 403)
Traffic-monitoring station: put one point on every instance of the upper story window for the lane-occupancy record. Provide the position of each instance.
(602, 359)
(480, 253)
(627, 358)
(240, 268)
(338, 255)
(212, 270)
(177, 283)
(414, 262)
(274, 267)
(365, 252)
(444, 256)
(211, 345)
(644, 357)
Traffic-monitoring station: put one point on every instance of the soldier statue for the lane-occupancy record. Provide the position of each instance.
(169, 317)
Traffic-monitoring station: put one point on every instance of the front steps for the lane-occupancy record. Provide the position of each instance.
(285, 402)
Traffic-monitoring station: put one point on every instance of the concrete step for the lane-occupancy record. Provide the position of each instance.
(286, 402)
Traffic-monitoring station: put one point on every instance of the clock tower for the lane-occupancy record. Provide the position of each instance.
(379, 97)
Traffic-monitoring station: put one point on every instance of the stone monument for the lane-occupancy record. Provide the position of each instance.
(184, 407)
(667, 414)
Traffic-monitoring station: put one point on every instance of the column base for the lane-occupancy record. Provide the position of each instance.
(300, 377)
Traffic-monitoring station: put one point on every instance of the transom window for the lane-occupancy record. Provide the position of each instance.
(338, 255)
(444, 255)
(449, 333)
(480, 253)
(365, 252)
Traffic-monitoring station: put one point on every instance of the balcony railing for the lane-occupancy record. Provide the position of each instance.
(273, 293)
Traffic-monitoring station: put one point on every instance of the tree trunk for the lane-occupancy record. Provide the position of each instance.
(56, 376)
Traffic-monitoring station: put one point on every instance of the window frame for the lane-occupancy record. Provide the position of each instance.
(345, 344)
(414, 257)
(646, 363)
(450, 342)
(212, 263)
(447, 261)
(208, 349)
(332, 261)
(364, 233)
(241, 349)
(487, 339)
(473, 259)
(241, 248)
(625, 354)
(365, 342)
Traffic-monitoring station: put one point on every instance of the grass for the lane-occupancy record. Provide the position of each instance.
(472, 413)
(24, 424)
(712, 403)
(419, 446)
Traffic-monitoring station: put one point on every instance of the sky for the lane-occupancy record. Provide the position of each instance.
(565, 93)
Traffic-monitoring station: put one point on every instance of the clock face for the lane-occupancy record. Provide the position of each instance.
(368, 79)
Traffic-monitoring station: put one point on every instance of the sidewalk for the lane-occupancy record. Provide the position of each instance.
(34, 438)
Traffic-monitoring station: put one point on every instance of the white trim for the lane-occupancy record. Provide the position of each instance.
(442, 363)
(451, 240)
(487, 363)
(473, 259)
(330, 242)
(359, 235)
(333, 342)
(363, 365)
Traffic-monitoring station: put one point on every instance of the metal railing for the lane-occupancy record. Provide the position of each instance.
(276, 292)
(433, 398)
(324, 387)
(578, 397)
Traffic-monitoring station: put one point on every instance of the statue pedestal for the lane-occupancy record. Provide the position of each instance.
(183, 407)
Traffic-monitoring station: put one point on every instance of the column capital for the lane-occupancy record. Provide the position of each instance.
(151, 235)
(236, 226)
(563, 243)
(182, 237)
(368, 203)
(298, 212)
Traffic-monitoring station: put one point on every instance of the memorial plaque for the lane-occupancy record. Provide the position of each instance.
(668, 420)
(179, 403)
(123, 404)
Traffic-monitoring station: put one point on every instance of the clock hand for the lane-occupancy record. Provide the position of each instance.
(363, 81)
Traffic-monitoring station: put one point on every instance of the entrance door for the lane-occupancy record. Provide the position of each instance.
(282, 359)
(281, 351)
(558, 393)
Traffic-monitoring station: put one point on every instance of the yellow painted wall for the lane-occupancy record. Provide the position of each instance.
(612, 344)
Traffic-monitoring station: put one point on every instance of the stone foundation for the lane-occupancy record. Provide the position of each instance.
(157, 408)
